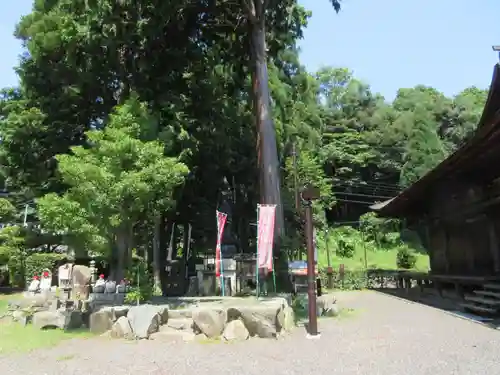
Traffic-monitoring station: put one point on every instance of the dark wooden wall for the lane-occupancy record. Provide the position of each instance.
(463, 225)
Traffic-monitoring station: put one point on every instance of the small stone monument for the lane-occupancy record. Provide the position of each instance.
(46, 282)
(99, 285)
(34, 286)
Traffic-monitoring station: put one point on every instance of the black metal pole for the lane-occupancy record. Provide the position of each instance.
(311, 284)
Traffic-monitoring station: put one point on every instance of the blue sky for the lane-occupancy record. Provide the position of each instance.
(387, 43)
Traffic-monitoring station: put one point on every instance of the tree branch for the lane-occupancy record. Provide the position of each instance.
(250, 10)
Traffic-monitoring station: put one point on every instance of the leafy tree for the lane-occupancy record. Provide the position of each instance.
(111, 182)
(424, 149)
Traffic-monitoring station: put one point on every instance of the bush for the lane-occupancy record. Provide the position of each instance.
(22, 268)
(16, 265)
(347, 239)
(406, 258)
(36, 263)
(353, 279)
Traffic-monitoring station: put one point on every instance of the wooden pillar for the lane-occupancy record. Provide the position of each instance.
(494, 245)
(446, 249)
(428, 246)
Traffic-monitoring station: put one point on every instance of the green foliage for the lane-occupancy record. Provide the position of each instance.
(112, 182)
(141, 282)
(101, 166)
(346, 240)
(351, 280)
(7, 210)
(383, 232)
(37, 263)
(406, 258)
(13, 253)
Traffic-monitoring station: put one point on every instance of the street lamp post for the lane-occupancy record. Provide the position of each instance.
(308, 195)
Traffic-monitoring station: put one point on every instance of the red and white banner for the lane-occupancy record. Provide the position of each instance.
(265, 236)
(221, 222)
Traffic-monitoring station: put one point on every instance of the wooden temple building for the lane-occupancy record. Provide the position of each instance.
(456, 206)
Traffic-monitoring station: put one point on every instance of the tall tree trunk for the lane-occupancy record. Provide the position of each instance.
(121, 254)
(157, 253)
(267, 151)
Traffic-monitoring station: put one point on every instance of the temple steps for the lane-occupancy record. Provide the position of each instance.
(484, 301)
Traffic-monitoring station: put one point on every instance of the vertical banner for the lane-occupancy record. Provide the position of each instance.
(221, 222)
(265, 236)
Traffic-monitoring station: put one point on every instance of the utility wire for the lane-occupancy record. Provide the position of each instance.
(372, 182)
(361, 195)
(355, 201)
(373, 189)
(366, 189)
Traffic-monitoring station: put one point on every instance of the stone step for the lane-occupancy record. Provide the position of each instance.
(488, 293)
(483, 301)
(491, 286)
(476, 308)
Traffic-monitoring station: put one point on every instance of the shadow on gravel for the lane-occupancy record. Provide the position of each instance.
(449, 302)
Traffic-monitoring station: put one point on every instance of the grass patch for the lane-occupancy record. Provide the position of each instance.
(65, 357)
(211, 340)
(376, 259)
(4, 300)
(15, 338)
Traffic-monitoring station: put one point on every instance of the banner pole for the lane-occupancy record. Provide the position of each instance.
(220, 230)
(272, 254)
(274, 275)
(257, 255)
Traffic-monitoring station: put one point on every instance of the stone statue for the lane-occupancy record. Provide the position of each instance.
(34, 285)
(100, 285)
(46, 282)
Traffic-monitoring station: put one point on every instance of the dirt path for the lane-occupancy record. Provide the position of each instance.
(385, 336)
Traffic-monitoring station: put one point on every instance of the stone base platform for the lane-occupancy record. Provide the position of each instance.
(183, 318)
(189, 318)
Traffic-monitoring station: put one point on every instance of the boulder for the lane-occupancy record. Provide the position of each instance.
(180, 324)
(101, 321)
(72, 319)
(122, 329)
(48, 319)
(260, 320)
(235, 331)
(210, 320)
(144, 320)
(289, 319)
(325, 303)
(21, 316)
(29, 301)
(163, 310)
(333, 310)
(120, 311)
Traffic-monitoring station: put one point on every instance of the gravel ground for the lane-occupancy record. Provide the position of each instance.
(385, 336)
